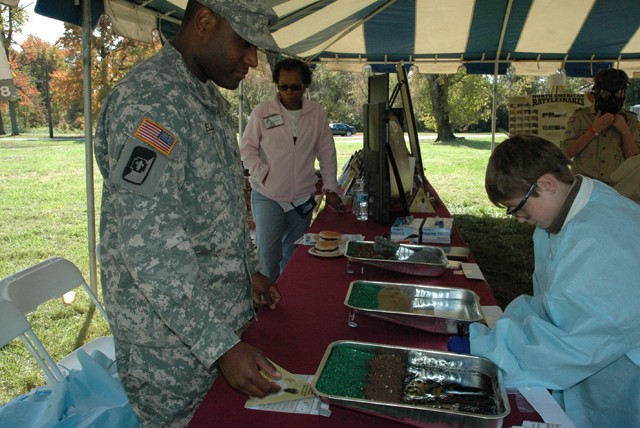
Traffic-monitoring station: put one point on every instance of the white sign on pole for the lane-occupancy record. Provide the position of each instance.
(544, 115)
(7, 88)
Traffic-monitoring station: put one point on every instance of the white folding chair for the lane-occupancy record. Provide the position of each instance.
(14, 324)
(47, 280)
(90, 397)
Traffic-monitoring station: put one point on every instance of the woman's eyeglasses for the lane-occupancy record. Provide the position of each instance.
(513, 211)
(285, 88)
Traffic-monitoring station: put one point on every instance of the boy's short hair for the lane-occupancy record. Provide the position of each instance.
(520, 161)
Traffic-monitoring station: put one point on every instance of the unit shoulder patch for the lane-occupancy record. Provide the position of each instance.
(139, 165)
(139, 168)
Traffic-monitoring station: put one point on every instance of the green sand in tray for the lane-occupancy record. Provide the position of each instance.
(345, 372)
(364, 295)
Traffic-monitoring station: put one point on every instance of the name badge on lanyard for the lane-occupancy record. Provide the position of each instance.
(273, 121)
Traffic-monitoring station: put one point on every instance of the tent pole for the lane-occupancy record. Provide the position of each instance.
(86, 72)
(496, 69)
(494, 101)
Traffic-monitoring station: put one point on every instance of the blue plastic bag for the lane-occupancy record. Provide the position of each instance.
(91, 397)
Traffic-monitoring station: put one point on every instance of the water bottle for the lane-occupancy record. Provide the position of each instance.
(355, 207)
(362, 202)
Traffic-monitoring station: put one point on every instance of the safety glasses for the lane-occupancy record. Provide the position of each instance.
(294, 88)
(514, 210)
(605, 93)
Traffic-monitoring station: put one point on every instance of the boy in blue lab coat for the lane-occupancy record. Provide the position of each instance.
(579, 334)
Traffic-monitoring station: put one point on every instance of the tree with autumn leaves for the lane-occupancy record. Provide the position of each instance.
(36, 61)
(31, 66)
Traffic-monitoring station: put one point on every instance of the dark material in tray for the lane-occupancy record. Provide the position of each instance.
(433, 261)
(436, 388)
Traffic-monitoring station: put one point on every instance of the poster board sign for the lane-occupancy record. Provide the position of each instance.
(7, 88)
(544, 115)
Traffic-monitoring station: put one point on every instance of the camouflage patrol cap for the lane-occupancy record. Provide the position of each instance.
(250, 19)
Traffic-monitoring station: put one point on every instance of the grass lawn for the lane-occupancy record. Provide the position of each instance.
(501, 246)
(43, 214)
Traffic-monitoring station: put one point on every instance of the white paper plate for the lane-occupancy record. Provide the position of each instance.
(337, 253)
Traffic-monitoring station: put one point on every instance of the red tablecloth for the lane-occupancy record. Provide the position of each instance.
(311, 315)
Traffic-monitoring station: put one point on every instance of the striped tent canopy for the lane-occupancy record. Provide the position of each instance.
(535, 37)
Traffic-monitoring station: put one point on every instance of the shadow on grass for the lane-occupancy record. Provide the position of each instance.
(463, 142)
(503, 248)
(36, 142)
(81, 338)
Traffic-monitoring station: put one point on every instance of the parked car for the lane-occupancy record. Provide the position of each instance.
(342, 129)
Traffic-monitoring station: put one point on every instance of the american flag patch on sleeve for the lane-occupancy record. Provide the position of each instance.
(156, 136)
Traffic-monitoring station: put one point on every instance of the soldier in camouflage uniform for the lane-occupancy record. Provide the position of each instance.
(604, 139)
(178, 271)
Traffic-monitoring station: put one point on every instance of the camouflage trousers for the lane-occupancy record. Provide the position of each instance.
(165, 385)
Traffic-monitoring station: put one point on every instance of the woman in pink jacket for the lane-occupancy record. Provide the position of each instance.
(279, 147)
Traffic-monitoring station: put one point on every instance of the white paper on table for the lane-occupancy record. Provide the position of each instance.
(491, 315)
(471, 270)
(546, 406)
(531, 424)
(453, 264)
(311, 238)
(308, 406)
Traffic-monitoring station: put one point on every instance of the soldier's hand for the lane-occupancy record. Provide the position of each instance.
(241, 366)
(265, 291)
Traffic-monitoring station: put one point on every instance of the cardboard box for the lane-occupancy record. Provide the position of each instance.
(437, 230)
(407, 229)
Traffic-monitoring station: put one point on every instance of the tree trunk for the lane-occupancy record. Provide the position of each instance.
(439, 89)
(2, 131)
(14, 120)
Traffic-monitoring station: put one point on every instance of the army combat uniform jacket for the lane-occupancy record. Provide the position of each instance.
(175, 251)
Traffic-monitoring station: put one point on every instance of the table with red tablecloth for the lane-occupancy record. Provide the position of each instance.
(312, 314)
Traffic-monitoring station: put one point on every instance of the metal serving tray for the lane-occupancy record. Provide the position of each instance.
(399, 261)
(468, 390)
(442, 310)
